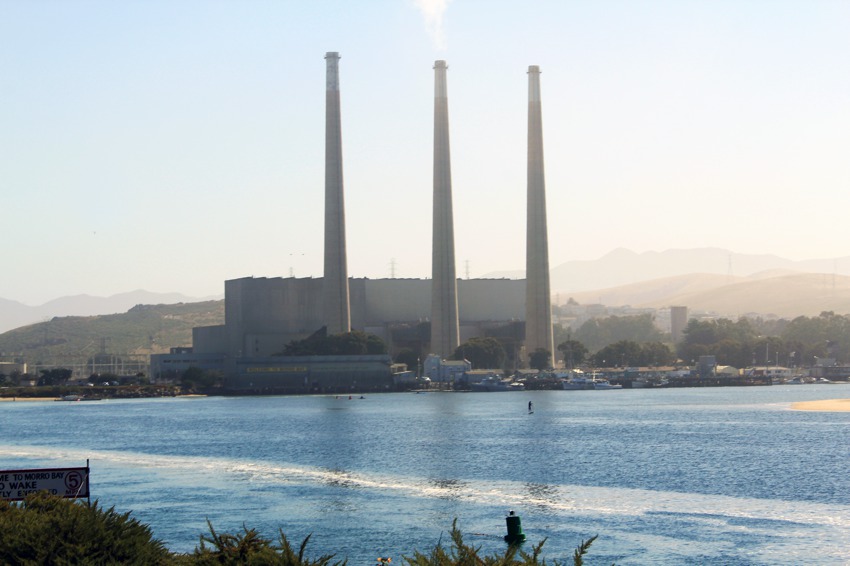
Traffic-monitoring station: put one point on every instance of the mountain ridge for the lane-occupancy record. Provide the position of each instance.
(784, 295)
(622, 267)
(618, 268)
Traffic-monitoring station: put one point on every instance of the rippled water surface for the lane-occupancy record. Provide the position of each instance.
(686, 476)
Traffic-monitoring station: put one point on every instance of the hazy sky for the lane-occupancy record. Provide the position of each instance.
(169, 146)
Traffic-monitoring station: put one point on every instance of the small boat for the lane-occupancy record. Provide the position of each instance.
(496, 384)
(70, 398)
(577, 384)
(581, 383)
(74, 397)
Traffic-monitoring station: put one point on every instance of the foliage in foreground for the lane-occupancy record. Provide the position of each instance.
(462, 554)
(45, 529)
(250, 548)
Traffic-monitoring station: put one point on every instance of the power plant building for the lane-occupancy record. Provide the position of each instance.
(263, 315)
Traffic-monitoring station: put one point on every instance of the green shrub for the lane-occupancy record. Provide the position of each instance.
(48, 530)
(45, 529)
(462, 554)
(250, 549)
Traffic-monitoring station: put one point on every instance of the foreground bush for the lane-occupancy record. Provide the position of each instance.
(462, 554)
(249, 548)
(44, 529)
(48, 530)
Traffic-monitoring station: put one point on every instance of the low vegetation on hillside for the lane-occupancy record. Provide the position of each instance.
(144, 329)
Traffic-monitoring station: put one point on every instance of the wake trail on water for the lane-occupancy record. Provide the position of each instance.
(557, 499)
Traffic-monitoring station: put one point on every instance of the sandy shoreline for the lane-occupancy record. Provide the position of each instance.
(10, 399)
(827, 405)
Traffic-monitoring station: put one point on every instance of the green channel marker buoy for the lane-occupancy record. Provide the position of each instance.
(514, 524)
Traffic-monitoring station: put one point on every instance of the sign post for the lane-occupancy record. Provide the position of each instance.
(71, 483)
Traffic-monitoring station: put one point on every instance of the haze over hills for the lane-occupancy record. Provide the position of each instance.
(709, 279)
(771, 293)
(147, 329)
(624, 267)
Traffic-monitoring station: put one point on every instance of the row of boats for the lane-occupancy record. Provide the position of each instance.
(579, 383)
(573, 383)
(803, 380)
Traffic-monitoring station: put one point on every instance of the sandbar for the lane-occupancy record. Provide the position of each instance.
(827, 405)
(28, 398)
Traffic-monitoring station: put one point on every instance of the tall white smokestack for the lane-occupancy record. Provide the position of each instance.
(444, 319)
(538, 299)
(337, 311)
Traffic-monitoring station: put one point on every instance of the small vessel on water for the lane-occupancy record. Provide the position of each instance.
(605, 384)
(74, 397)
(580, 382)
(496, 384)
(577, 383)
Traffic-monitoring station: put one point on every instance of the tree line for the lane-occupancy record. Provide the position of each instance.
(624, 341)
(745, 342)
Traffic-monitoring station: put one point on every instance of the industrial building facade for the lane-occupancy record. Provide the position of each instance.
(262, 315)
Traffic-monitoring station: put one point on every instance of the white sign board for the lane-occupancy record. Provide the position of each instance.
(64, 482)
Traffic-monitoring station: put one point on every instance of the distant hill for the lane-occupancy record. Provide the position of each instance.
(730, 284)
(782, 294)
(14, 314)
(623, 267)
(150, 329)
(142, 330)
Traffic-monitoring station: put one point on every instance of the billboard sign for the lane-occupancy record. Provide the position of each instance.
(64, 482)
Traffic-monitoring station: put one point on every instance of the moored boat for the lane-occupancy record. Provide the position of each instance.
(496, 384)
(577, 383)
(71, 397)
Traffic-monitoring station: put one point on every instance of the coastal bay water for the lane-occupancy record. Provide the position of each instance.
(670, 476)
